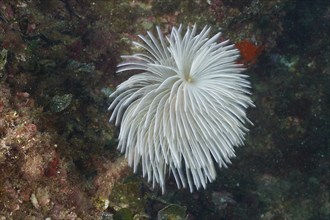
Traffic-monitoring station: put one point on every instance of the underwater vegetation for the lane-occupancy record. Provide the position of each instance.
(58, 152)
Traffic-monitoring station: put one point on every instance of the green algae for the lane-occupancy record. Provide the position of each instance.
(127, 196)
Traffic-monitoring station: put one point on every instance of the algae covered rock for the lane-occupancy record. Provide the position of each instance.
(59, 103)
(172, 212)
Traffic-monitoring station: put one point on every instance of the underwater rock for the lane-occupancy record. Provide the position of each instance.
(173, 212)
(59, 103)
(78, 67)
(123, 214)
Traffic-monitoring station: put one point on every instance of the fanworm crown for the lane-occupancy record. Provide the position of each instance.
(185, 110)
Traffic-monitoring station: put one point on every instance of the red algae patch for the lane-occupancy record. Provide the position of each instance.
(249, 51)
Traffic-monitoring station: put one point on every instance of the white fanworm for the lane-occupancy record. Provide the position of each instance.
(185, 110)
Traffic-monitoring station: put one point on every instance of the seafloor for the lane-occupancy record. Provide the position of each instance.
(58, 157)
